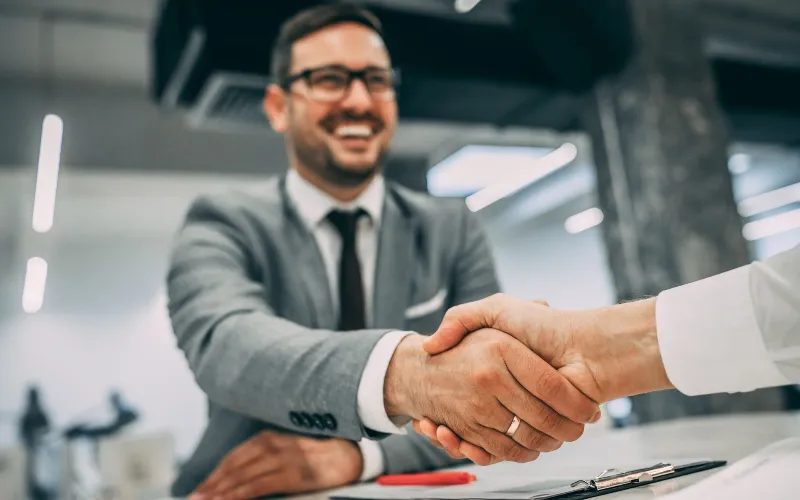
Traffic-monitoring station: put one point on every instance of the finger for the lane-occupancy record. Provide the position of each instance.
(415, 425)
(541, 302)
(491, 437)
(240, 456)
(486, 313)
(461, 320)
(270, 484)
(536, 440)
(450, 332)
(477, 454)
(553, 389)
(449, 441)
(542, 428)
(428, 428)
(258, 468)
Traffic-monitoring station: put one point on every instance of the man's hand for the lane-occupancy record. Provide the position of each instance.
(270, 463)
(606, 353)
(477, 388)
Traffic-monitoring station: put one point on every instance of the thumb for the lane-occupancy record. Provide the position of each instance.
(449, 334)
(458, 322)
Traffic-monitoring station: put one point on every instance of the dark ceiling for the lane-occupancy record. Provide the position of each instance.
(506, 63)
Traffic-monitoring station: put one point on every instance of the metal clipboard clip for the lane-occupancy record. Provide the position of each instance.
(610, 478)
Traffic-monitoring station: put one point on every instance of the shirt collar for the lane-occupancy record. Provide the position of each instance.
(313, 205)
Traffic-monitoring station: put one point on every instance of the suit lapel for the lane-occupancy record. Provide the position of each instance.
(307, 259)
(394, 265)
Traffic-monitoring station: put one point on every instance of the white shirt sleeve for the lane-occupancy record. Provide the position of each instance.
(372, 458)
(371, 408)
(734, 332)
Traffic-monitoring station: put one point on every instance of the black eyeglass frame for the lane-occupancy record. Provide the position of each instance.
(394, 77)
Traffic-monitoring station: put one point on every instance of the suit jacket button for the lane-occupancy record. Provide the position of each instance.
(319, 422)
(308, 422)
(330, 422)
(295, 419)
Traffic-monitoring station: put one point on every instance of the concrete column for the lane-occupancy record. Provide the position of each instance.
(660, 146)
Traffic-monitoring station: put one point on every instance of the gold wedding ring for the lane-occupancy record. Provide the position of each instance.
(512, 429)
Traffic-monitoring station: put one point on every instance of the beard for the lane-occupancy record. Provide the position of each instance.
(318, 157)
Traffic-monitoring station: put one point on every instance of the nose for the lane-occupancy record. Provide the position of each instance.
(358, 97)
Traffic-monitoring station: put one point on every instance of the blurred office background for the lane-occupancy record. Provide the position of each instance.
(151, 116)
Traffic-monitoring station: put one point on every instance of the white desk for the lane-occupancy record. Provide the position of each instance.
(720, 438)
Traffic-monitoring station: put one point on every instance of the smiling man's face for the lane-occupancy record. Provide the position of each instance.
(343, 140)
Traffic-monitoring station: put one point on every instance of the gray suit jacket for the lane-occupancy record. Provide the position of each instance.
(251, 308)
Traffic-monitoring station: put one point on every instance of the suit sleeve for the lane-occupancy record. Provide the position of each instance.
(734, 332)
(473, 278)
(243, 356)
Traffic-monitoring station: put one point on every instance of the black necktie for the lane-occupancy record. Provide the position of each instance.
(351, 287)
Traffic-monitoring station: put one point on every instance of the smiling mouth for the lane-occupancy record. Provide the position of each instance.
(353, 131)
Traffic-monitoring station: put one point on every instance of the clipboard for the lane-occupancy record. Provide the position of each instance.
(607, 482)
(613, 480)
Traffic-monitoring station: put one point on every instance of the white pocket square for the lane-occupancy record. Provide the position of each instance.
(431, 305)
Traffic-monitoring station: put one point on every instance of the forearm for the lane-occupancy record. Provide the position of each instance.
(622, 348)
(274, 370)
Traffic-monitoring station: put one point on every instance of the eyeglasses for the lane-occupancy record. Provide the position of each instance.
(333, 83)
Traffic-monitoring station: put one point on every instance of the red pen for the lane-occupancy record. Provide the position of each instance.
(427, 479)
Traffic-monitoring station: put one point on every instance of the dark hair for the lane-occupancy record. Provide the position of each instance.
(310, 21)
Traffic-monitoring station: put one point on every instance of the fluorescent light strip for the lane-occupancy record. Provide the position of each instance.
(464, 6)
(582, 221)
(540, 168)
(739, 163)
(769, 201)
(35, 282)
(44, 202)
(770, 226)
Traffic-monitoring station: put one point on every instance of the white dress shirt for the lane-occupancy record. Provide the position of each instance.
(735, 332)
(313, 207)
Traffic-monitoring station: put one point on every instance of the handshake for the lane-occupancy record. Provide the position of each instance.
(508, 379)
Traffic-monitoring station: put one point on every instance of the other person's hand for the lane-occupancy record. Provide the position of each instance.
(606, 353)
(270, 463)
(478, 387)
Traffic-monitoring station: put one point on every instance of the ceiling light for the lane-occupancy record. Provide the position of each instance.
(475, 167)
(35, 281)
(44, 201)
(587, 219)
(464, 6)
(770, 226)
(522, 177)
(770, 200)
(739, 163)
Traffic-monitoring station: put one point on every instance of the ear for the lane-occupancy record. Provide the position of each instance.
(275, 107)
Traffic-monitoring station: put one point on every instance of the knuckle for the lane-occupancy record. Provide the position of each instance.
(550, 421)
(537, 441)
(484, 376)
(518, 454)
(551, 385)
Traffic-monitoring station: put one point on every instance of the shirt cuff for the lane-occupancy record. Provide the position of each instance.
(371, 408)
(709, 337)
(372, 458)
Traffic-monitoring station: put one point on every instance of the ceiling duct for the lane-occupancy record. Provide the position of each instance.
(212, 57)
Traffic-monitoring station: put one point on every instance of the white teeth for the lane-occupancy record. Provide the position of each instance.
(354, 131)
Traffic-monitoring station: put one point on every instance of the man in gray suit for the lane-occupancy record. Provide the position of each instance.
(295, 303)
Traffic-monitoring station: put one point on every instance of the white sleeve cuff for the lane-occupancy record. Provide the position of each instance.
(709, 338)
(371, 408)
(372, 458)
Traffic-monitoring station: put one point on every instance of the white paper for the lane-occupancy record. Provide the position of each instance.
(770, 473)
